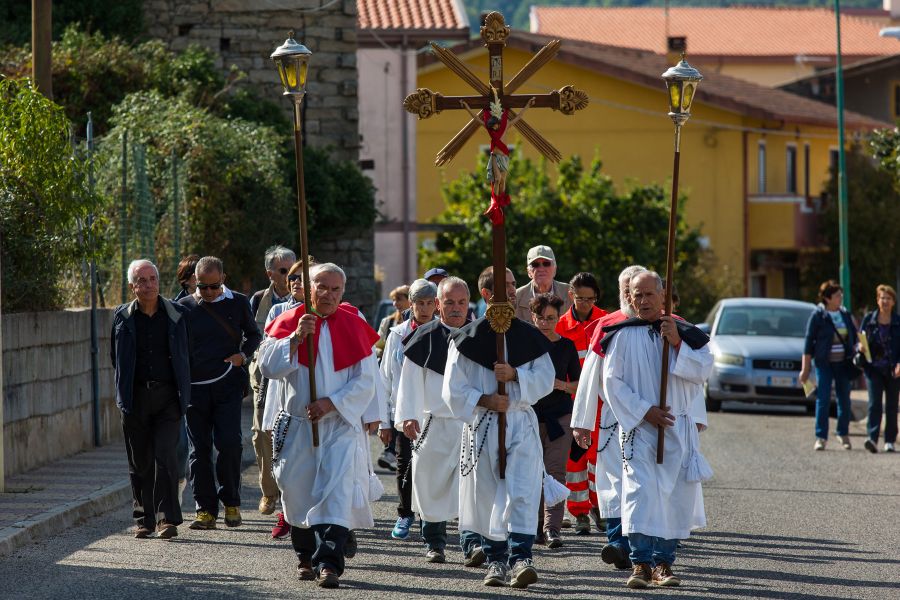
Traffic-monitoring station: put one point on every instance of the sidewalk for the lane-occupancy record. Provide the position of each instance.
(57, 496)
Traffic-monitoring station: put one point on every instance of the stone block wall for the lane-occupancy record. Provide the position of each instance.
(47, 387)
(244, 33)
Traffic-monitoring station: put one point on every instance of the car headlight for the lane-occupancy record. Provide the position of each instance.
(722, 358)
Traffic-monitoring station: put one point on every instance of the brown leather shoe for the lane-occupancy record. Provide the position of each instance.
(327, 578)
(141, 532)
(165, 530)
(640, 576)
(663, 576)
(267, 505)
(305, 571)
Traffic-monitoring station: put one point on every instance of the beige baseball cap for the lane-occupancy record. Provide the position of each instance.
(540, 252)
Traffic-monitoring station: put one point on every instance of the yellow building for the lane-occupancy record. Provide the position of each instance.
(754, 159)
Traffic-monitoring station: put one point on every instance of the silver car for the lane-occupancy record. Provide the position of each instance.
(757, 344)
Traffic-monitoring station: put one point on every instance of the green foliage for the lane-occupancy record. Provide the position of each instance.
(338, 195)
(873, 198)
(110, 17)
(236, 197)
(43, 200)
(589, 225)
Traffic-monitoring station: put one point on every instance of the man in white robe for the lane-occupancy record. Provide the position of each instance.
(322, 494)
(503, 511)
(661, 503)
(426, 420)
(423, 299)
(608, 474)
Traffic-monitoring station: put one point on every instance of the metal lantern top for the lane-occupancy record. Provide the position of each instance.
(292, 61)
(682, 81)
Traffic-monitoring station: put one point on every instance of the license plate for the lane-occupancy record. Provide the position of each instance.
(782, 382)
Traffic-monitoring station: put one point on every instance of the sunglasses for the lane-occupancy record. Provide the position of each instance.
(294, 277)
(541, 263)
(209, 286)
(585, 298)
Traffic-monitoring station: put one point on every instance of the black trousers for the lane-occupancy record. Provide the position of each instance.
(404, 463)
(321, 546)
(214, 417)
(151, 438)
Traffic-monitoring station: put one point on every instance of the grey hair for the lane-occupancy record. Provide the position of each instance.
(625, 278)
(653, 274)
(421, 289)
(277, 253)
(208, 264)
(137, 264)
(328, 267)
(448, 283)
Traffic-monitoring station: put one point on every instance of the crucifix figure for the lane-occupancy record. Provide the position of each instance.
(496, 101)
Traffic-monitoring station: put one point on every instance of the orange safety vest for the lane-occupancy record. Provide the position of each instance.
(580, 474)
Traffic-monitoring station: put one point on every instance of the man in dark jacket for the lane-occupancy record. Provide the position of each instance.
(223, 335)
(149, 348)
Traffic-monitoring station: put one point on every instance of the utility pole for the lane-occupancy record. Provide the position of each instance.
(842, 168)
(41, 35)
(2, 472)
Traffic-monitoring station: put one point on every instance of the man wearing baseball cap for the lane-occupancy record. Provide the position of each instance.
(436, 275)
(541, 266)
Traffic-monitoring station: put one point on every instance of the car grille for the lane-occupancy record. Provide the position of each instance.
(780, 364)
(780, 391)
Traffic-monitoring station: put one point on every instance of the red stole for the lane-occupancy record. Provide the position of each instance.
(496, 136)
(351, 337)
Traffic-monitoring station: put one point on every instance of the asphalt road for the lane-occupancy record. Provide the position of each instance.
(784, 522)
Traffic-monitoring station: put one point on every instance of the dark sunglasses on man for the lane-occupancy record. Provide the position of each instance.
(541, 263)
(208, 286)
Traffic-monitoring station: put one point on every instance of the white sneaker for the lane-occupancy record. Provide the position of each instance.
(889, 447)
(820, 444)
(845, 442)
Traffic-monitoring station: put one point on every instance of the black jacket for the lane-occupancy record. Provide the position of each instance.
(123, 352)
(870, 325)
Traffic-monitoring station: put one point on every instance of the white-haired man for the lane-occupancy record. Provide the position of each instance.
(661, 503)
(424, 419)
(321, 488)
(278, 261)
(601, 438)
(540, 265)
(150, 352)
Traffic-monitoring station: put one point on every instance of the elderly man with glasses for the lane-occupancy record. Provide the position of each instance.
(223, 335)
(541, 266)
(278, 262)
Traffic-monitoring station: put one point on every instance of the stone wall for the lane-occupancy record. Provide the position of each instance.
(47, 387)
(354, 253)
(244, 33)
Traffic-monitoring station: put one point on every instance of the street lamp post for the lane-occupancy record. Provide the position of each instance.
(292, 61)
(681, 81)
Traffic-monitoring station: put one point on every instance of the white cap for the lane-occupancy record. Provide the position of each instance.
(540, 252)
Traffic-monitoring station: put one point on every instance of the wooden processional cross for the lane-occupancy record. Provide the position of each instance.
(496, 101)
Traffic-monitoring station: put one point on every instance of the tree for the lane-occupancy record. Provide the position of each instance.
(43, 200)
(873, 219)
(589, 225)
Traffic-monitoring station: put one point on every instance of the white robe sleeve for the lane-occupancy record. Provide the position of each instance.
(627, 405)
(535, 380)
(274, 358)
(584, 410)
(458, 393)
(355, 396)
(410, 401)
(273, 404)
(692, 365)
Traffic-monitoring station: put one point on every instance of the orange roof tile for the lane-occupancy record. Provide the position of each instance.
(739, 31)
(645, 68)
(411, 14)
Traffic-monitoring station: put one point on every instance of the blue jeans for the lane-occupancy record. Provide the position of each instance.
(469, 540)
(614, 534)
(827, 374)
(435, 534)
(651, 549)
(517, 547)
(882, 384)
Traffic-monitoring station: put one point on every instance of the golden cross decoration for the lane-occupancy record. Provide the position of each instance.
(496, 102)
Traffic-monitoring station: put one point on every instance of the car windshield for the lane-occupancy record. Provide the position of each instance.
(763, 320)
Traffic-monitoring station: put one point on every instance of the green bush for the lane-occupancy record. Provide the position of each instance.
(588, 223)
(43, 201)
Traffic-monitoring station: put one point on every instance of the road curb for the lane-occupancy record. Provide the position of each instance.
(62, 517)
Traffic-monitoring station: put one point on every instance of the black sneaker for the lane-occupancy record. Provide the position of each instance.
(350, 546)
(496, 575)
(523, 574)
(435, 555)
(871, 446)
(475, 557)
(615, 555)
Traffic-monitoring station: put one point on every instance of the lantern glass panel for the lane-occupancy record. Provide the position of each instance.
(687, 97)
(674, 96)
